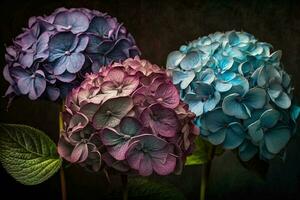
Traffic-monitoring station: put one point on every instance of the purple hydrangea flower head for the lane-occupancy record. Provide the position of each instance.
(54, 52)
(130, 117)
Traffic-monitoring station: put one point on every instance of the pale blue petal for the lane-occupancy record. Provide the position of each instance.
(210, 104)
(59, 44)
(74, 62)
(99, 26)
(207, 76)
(255, 98)
(192, 60)
(216, 120)
(82, 44)
(264, 153)
(75, 21)
(283, 101)
(227, 76)
(195, 105)
(269, 118)
(233, 39)
(174, 59)
(226, 63)
(245, 68)
(275, 90)
(184, 78)
(242, 82)
(247, 151)
(217, 137)
(222, 86)
(276, 139)
(295, 111)
(234, 136)
(255, 131)
(59, 66)
(232, 107)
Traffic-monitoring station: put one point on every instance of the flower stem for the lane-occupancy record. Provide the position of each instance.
(205, 171)
(124, 179)
(63, 184)
(62, 173)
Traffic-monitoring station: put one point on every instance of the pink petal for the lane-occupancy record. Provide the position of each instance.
(167, 95)
(164, 168)
(89, 110)
(77, 122)
(80, 153)
(115, 75)
(163, 121)
(110, 137)
(109, 87)
(119, 151)
(145, 117)
(129, 85)
(64, 148)
(134, 157)
(134, 160)
(145, 168)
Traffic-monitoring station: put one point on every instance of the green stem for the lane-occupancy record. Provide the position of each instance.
(63, 184)
(205, 171)
(62, 173)
(124, 179)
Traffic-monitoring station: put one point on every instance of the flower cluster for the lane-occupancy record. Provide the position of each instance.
(129, 115)
(51, 55)
(239, 92)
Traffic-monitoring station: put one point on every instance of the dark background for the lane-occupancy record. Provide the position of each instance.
(160, 27)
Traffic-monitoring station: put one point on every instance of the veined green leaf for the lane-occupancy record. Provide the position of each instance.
(28, 154)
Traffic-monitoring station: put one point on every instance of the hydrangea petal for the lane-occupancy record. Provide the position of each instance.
(183, 77)
(283, 101)
(167, 95)
(111, 112)
(222, 86)
(59, 44)
(247, 151)
(110, 137)
(74, 21)
(217, 137)
(191, 61)
(130, 126)
(119, 150)
(195, 105)
(232, 107)
(255, 98)
(276, 139)
(174, 59)
(74, 62)
(79, 153)
(234, 136)
(164, 168)
(100, 26)
(145, 168)
(255, 131)
(163, 121)
(269, 118)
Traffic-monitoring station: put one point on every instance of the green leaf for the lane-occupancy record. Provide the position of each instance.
(203, 152)
(146, 189)
(27, 154)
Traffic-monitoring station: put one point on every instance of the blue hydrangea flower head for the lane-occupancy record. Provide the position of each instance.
(239, 91)
(53, 54)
